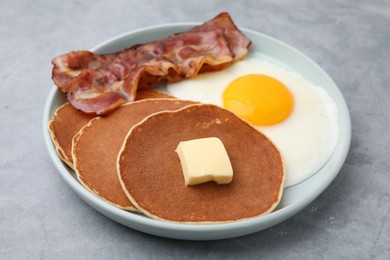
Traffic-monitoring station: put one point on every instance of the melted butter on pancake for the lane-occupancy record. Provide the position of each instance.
(204, 160)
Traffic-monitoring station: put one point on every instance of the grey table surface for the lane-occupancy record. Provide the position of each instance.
(42, 218)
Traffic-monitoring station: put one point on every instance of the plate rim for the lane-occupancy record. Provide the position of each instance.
(191, 231)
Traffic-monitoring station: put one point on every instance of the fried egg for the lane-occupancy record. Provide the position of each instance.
(299, 117)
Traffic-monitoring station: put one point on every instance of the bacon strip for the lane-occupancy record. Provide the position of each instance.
(238, 42)
(100, 83)
(70, 65)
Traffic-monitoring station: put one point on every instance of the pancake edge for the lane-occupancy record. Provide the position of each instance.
(60, 152)
(150, 215)
(74, 144)
(77, 136)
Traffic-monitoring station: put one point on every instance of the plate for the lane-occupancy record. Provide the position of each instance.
(294, 198)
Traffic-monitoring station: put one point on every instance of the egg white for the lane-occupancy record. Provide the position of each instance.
(306, 139)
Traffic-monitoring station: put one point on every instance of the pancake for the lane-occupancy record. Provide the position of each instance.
(67, 122)
(151, 176)
(150, 93)
(96, 147)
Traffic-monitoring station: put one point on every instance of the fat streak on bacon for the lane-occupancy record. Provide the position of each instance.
(100, 83)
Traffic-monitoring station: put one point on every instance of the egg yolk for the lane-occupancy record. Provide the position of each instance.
(259, 99)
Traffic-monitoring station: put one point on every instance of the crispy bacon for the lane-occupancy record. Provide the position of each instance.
(238, 42)
(70, 65)
(100, 83)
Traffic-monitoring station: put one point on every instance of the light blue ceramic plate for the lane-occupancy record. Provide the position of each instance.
(294, 198)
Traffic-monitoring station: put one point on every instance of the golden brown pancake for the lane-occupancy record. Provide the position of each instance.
(96, 147)
(150, 172)
(67, 122)
(150, 93)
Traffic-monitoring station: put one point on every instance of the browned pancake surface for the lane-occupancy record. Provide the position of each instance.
(150, 93)
(151, 174)
(66, 122)
(96, 147)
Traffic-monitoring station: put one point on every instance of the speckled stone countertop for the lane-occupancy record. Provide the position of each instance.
(42, 218)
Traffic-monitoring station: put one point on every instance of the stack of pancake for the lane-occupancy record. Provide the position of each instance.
(128, 159)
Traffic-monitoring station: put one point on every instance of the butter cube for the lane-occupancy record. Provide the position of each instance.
(204, 160)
